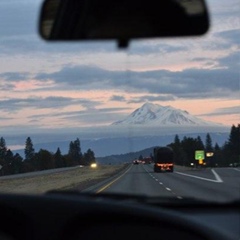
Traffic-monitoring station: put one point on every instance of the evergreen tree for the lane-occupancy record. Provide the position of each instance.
(3, 148)
(177, 142)
(216, 147)
(217, 159)
(29, 150)
(71, 149)
(208, 148)
(234, 140)
(2, 143)
(200, 145)
(89, 157)
(17, 164)
(4, 157)
(189, 146)
(58, 159)
(8, 162)
(44, 160)
(177, 150)
(208, 144)
(232, 147)
(74, 153)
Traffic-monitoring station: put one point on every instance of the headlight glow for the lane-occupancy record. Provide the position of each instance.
(93, 165)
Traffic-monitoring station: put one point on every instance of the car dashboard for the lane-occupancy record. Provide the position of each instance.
(73, 215)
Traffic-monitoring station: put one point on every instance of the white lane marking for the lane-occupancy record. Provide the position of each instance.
(168, 189)
(216, 176)
(218, 179)
(157, 180)
(237, 169)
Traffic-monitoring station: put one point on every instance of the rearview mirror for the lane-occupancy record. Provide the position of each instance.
(122, 20)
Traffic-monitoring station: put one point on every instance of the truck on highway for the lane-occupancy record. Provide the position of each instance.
(147, 160)
(163, 159)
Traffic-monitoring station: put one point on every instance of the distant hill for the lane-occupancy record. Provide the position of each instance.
(123, 145)
(123, 158)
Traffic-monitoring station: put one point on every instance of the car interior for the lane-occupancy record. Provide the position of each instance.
(91, 215)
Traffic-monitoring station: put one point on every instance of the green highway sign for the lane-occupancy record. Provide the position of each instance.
(199, 155)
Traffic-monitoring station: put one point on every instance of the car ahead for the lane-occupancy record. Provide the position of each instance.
(52, 84)
(163, 159)
(147, 160)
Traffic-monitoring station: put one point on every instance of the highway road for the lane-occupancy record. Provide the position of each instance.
(218, 184)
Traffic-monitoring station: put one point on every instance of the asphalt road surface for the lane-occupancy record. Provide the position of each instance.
(218, 184)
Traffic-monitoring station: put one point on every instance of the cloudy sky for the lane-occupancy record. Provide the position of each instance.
(61, 85)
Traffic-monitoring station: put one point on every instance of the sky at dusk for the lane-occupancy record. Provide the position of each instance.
(62, 85)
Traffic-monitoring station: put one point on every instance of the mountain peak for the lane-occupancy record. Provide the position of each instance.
(149, 105)
(154, 114)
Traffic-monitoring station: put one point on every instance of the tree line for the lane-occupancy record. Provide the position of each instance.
(43, 159)
(184, 151)
(226, 155)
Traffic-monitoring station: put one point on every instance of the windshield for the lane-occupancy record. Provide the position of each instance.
(160, 118)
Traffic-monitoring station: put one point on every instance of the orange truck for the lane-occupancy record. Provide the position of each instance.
(163, 159)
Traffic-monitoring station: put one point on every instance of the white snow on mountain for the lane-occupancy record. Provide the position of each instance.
(154, 114)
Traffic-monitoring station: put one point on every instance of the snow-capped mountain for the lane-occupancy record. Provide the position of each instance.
(154, 114)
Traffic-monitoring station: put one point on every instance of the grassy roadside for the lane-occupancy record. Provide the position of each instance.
(76, 178)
